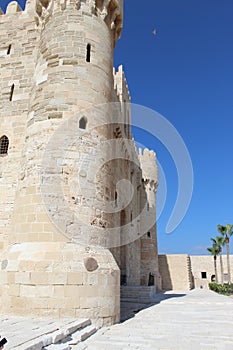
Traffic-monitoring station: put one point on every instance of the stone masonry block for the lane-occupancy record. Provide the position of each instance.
(74, 278)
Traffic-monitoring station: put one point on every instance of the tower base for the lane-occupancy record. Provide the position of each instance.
(60, 280)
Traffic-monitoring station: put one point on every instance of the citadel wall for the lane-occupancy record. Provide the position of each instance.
(175, 270)
(67, 227)
(18, 47)
(203, 270)
(184, 272)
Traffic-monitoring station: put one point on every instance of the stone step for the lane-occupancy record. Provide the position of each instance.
(61, 346)
(82, 335)
(134, 300)
(138, 295)
(74, 340)
(138, 292)
(60, 338)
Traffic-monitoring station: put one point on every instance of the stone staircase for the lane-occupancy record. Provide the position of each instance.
(67, 337)
(138, 294)
(134, 299)
(190, 275)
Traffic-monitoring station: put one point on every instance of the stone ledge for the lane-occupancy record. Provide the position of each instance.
(60, 338)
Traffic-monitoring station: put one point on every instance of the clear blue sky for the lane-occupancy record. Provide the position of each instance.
(185, 73)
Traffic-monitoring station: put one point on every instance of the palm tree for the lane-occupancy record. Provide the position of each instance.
(219, 243)
(214, 251)
(227, 232)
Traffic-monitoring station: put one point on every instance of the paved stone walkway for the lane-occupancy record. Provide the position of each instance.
(195, 320)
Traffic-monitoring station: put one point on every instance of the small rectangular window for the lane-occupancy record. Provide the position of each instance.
(203, 275)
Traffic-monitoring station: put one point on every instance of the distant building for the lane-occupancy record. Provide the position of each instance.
(184, 272)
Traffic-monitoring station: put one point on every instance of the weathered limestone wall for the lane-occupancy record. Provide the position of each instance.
(203, 269)
(149, 250)
(63, 82)
(18, 51)
(175, 272)
(133, 254)
(183, 272)
(72, 187)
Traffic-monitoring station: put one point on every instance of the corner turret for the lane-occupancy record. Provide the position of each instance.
(149, 169)
(149, 248)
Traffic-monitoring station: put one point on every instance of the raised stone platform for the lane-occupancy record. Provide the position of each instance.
(138, 293)
(25, 333)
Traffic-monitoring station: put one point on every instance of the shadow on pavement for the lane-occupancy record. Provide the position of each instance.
(131, 307)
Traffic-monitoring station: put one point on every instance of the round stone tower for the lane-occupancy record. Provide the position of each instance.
(57, 264)
(149, 248)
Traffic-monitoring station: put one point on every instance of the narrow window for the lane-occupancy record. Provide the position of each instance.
(203, 275)
(88, 56)
(83, 123)
(4, 143)
(9, 50)
(148, 207)
(148, 234)
(131, 218)
(115, 199)
(12, 91)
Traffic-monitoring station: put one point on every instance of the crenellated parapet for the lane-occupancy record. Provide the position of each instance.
(110, 11)
(149, 167)
(12, 8)
(122, 95)
(120, 85)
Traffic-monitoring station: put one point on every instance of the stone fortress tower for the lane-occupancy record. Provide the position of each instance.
(69, 236)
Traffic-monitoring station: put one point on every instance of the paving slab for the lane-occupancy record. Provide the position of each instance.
(24, 332)
(194, 320)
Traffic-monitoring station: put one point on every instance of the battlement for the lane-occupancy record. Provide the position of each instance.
(13, 7)
(120, 85)
(15, 12)
(148, 164)
(110, 11)
(147, 154)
